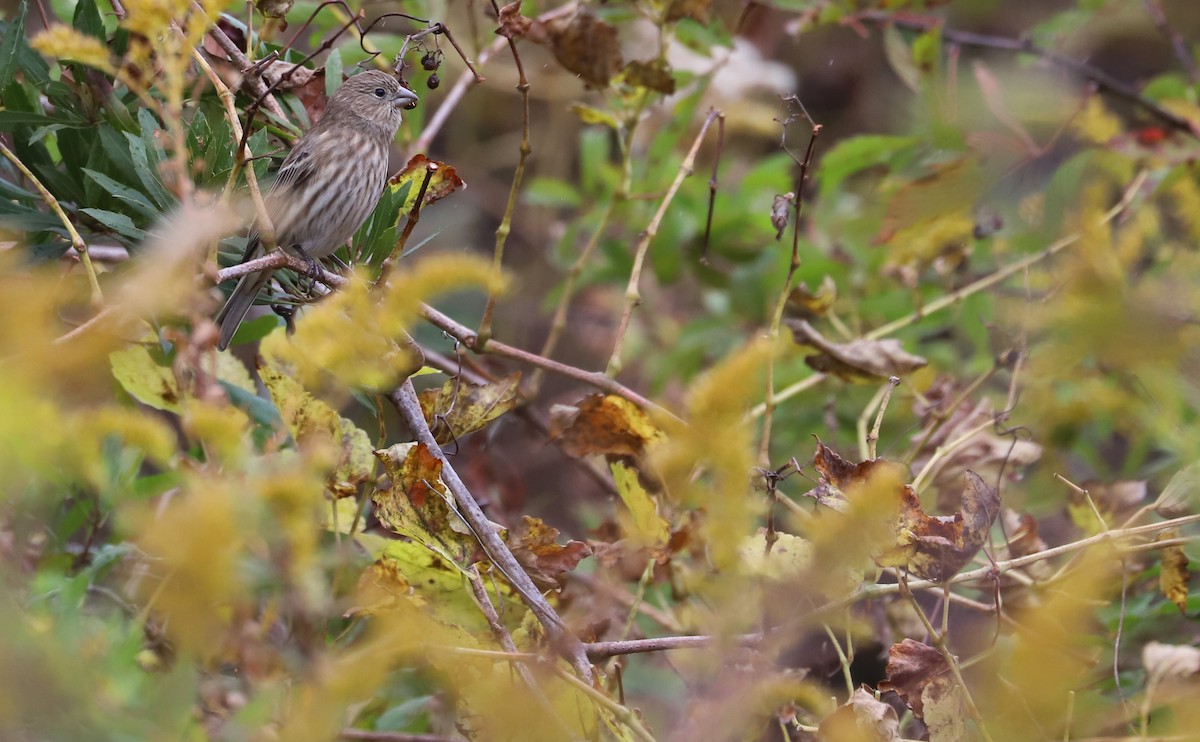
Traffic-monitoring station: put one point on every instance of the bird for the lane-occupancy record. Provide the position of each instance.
(328, 184)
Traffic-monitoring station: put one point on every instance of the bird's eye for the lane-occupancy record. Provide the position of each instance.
(380, 92)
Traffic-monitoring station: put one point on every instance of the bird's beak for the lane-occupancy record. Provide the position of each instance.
(406, 98)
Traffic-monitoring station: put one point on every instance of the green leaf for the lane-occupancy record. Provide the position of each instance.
(333, 72)
(146, 171)
(552, 192)
(900, 57)
(146, 380)
(119, 223)
(11, 119)
(123, 193)
(88, 20)
(856, 154)
(10, 43)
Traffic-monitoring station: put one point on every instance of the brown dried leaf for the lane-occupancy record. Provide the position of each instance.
(837, 476)
(858, 360)
(585, 45)
(861, 719)
(289, 74)
(654, 75)
(458, 408)
(546, 561)
(919, 673)
(602, 424)
(808, 304)
(937, 547)
(1173, 577)
(1023, 540)
(415, 503)
(993, 98)
(513, 25)
(274, 8)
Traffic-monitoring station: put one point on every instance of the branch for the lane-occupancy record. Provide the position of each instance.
(1102, 79)
(409, 407)
(251, 80)
(469, 338)
(601, 650)
(280, 259)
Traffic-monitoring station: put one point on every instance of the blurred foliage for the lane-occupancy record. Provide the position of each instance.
(252, 545)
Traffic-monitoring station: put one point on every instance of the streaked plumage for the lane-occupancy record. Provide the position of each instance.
(329, 184)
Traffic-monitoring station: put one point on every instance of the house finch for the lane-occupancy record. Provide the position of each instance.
(329, 183)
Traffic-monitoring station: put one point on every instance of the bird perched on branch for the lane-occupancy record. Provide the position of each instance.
(329, 184)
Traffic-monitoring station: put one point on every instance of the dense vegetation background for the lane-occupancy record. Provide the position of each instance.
(808, 369)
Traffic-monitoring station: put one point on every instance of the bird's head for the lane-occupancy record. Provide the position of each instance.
(374, 96)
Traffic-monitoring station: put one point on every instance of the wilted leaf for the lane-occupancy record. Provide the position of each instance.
(993, 98)
(1023, 540)
(585, 45)
(602, 424)
(1173, 578)
(654, 75)
(274, 8)
(416, 504)
(544, 559)
(458, 408)
(287, 75)
(919, 673)
(933, 548)
(858, 360)
(443, 180)
(640, 521)
(808, 304)
(590, 115)
(863, 718)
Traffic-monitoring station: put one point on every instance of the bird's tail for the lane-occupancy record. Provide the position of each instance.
(240, 301)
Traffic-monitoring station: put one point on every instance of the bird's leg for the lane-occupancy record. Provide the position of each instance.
(314, 269)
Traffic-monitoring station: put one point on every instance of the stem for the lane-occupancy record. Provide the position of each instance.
(76, 241)
(632, 296)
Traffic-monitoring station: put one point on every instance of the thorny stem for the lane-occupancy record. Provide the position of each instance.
(632, 295)
(514, 192)
(405, 400)
(467, 337)
(970, 289)
(76, 241)
(764, 444)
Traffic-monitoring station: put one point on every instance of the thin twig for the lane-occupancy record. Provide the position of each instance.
(76, 241)
(281, 259)
(632, 294)
(467, 337)
(502, 231)
(953, 298)
(1154, 9)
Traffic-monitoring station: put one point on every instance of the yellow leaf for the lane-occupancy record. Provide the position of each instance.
(640, 522)
(145, 379)
(458, 407)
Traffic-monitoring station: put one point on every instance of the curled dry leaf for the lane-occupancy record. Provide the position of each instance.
(414, 503)
(1023, 540)
(919, 673)
(1170, 660)
(443, 181)
(535, 546)
(602, 424)
(583, 44)
(781, 212)
(863, 718)
(274, 8)
(1173, 577)
(858, 360)
(932, 547)
(808, 304)
(458, 408)
(288, 75)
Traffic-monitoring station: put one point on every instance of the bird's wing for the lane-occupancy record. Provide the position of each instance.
(297, 168)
